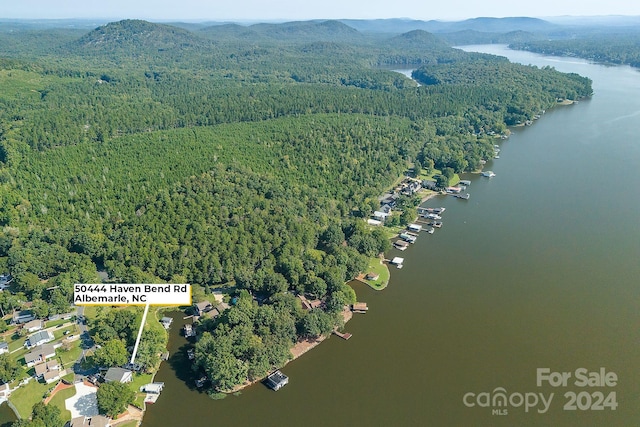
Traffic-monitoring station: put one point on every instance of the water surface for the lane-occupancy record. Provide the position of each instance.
(539, 269)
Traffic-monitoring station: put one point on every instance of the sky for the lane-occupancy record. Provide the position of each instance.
(269, 10)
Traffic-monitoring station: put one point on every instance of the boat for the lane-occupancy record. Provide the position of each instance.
(488, 174)
(431, 230)
(433, 216)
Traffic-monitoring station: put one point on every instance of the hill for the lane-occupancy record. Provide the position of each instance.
(307, 31)
(134, 37)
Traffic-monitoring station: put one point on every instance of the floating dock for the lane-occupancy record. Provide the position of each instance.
(360, 307)
(343, 335)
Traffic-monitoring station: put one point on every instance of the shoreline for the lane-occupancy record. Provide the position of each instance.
(298, 349)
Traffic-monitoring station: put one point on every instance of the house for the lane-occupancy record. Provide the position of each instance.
(40, 337)
(5, 280)
(277, 380)
(23, 316)
(120, 375)
(34, 325)
(381, 216)
(374, 222)
(5, 391)
(386, 209)
(93, 421)
(429, 184)
(389, 199)
(64, 316)
(4, 347)
(39, 354)
(201, 308)
(48, 371)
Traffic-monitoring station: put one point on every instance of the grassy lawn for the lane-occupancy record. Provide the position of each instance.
(380, 269)
(15, 344)
(53, 323)
(59, 333)
(28, 395)
(68, 357)
(58, 400)
(138, 381)
(128, 424)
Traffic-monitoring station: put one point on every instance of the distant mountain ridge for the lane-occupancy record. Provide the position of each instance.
(301, 31)
(502, 25)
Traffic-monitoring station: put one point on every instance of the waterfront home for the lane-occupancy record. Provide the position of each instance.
(34, 325)
(4, 347)
(5, 391)
(200, 308)
(120, 375)
(429, 185)
(40, 337)
(39, 354)
(93, 421)
(277, 380)
(23, 316)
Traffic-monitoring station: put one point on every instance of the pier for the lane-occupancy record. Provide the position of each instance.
(343, 335)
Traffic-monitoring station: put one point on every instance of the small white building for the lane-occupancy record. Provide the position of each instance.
(414, 227)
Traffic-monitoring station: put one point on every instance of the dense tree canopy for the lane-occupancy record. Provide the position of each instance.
(230, 155)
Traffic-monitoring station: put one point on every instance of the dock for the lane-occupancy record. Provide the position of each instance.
(462, 196)
(360, 307)
(343, 335)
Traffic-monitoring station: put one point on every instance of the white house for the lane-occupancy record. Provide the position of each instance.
(34, 325)
(120, 375)
(4, 347)
(40, 337)
(39, 354)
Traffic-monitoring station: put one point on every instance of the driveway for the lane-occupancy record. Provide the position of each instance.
(84, 402)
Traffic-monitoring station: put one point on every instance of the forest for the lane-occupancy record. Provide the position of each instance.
(611, 47)
(231, 156)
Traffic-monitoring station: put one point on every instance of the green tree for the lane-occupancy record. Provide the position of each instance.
(9, 368)
(49, 415)
(113, 398)
(113, 353)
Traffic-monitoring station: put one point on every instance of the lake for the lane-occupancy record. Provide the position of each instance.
(524, 309)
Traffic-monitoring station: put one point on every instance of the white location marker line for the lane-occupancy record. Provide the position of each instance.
(135, 347)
